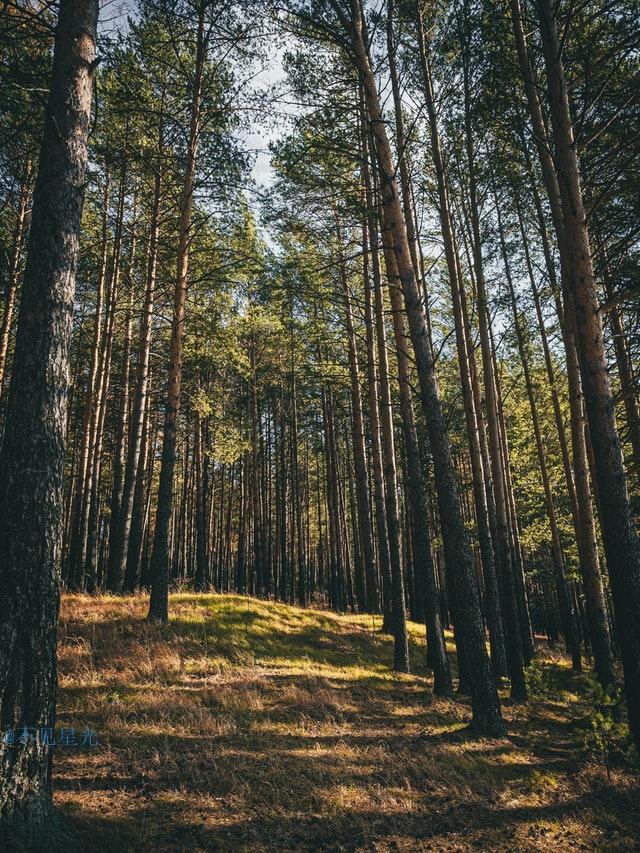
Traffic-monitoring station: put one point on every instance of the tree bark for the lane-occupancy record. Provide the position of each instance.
(620, 538)
(32, 456)
(487, 718)
(582, 504)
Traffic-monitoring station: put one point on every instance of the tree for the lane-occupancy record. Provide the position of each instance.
(32, 456)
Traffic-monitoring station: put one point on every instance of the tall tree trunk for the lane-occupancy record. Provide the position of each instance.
(358, 436)
(283, 497)
(582, 504)
(120, 544)
(134, 546)
(119, 457)
(90, 578)
(487, 718)
(256, 504)
(297, 502)
(567, 613)
(626, 376)
(524, 614)
(201, 577)
(33, 451)
(159, 569)
(79, 518)
(620, 538)
(426, 577)
(513, 639)
(436, 649)
(399, 619)
(496, 630)
(373, 601)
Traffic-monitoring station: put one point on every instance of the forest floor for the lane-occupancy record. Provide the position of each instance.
(253, 726)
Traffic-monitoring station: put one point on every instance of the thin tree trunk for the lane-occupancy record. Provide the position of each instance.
(358, 436)
(586, 541)
(120, 544)
(436, 649)
(625, 370)
(90, 577)
(159, 569)
(496, 630)
(373, 601)
(14, 269)
(399, 619)
(513, 639)
(135, 539)
(582, 504)
(201, 568)
(79, 519)
(119, 458)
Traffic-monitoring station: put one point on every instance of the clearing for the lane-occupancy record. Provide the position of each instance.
(249, 725)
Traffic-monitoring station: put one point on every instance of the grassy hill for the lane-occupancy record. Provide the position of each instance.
(248, 725)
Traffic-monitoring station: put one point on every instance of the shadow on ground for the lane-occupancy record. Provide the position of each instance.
(255, 726)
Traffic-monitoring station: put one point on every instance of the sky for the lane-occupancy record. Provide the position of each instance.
(113, 20)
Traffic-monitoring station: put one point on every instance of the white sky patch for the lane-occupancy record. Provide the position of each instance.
(263, 132)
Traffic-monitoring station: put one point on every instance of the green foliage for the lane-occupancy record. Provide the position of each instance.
(608, 735)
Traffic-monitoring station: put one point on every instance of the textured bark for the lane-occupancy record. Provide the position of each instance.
(32, 457)
(620, 538)
(159, 568)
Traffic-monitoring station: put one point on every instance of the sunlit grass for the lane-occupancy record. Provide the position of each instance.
(250, 725)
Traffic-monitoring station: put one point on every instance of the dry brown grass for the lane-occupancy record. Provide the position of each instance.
(254, 726)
